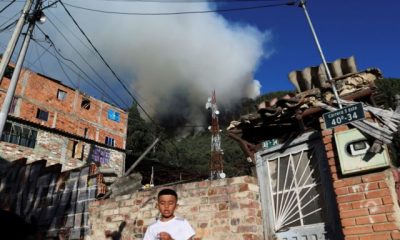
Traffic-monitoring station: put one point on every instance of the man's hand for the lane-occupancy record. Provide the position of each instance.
(164, 236)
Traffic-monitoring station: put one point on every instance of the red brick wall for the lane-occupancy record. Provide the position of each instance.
(220, 209)
(36, 91)
(365, 202)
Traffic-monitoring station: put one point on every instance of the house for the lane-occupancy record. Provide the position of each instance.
(325, 172)
(50, 120)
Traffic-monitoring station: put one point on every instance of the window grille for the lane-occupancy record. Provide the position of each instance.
(294, 184)
(110, 141)
(19, 134)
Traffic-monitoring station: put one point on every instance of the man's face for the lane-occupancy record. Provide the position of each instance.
(166, 205)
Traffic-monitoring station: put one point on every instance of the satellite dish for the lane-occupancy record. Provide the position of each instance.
(222, 175)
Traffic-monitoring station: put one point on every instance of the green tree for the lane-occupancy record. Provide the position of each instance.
(139, 137)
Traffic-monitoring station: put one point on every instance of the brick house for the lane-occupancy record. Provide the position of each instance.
(50, 120)
(319, 181)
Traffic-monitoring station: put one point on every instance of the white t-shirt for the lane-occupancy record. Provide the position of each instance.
(178, 228)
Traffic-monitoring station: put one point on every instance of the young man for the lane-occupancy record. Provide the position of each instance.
(169, 227)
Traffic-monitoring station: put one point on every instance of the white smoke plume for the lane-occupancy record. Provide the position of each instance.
(175, 62)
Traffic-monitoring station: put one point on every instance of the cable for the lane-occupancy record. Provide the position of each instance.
(93, 52)
(64, 26)
(108, 66)
(89, 80)
(189, 1)
(8, 26)
(40, 62)
(55, 55)
(180, 13)
(65, 73)
(4, 8)
(87, 63)
(37, 59)
(10, 19)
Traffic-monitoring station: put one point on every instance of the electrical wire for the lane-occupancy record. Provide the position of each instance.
(48, 13)
(190, 1)
(37, 59)
(63, 70)
(5, 7)
(87, 63)
(9, 19)
(40, 62)
(87, 79)
(108, 66)
(8, 26)
(181, 13)
(55, 56)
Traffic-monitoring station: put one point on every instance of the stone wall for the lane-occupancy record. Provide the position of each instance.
(53, 148)
(219, 209)
(367, 203)
(53, 203)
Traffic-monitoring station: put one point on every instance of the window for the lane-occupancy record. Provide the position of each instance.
(85, 104)
(42, 115)
(75, 149)
(113, 115)
(9, 72)
(61, 95)
(19, 134)
(110, 141)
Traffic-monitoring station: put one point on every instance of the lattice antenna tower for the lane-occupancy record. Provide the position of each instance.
(216, 161)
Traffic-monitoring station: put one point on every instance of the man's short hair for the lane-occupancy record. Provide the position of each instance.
(167, 191)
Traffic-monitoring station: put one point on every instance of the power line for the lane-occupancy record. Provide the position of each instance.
(87, 79)
(90, 50)
(180, 13)
(87, 63)
(55, 56)
(190, 1)
(108, 66)
(8, 26)
(65, 73)
(5, 7)
(9, 19)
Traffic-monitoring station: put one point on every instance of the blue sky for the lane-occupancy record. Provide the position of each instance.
(367, 29)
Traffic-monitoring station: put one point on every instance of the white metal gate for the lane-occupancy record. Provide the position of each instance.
(291, 182)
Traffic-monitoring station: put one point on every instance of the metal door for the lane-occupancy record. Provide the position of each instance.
(296, 191)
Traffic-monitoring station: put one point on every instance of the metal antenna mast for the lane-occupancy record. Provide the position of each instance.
(216, 161)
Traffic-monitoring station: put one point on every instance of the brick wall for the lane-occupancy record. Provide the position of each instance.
(366, 201)
(220, 209)
(53, 148)
(35, 92)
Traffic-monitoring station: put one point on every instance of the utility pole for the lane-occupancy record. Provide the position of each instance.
(216, 161)
(32, 18)
(302, 4)
(14, 38)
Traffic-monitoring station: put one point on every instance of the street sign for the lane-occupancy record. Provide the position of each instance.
(344, 115)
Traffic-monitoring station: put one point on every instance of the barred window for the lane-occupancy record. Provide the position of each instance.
(110, 141)
(19, 134)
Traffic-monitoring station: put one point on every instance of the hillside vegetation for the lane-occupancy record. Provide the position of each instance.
(192, 153)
